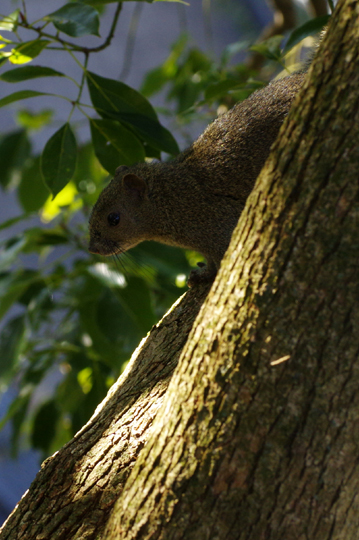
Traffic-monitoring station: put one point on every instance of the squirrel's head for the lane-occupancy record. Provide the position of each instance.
(118, 220)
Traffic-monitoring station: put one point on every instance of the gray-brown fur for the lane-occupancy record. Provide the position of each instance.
(195, 201)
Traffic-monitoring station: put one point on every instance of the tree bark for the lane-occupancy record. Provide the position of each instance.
(257, 435)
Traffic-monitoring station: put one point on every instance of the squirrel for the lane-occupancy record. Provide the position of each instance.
(195, 201)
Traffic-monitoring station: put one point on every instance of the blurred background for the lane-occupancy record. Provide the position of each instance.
(69, 320)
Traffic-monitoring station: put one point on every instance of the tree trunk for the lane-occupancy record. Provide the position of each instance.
(257, 437)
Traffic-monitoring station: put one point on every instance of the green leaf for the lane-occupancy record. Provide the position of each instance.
(270, 48)
(75, 19)
(32, 192)
(234, 48)
(168, 260)
(29, 72)
(9, 22)
(108, 350)
(154, 81)
(152, 132)
(307, 29)
(11, 252)
(12, 286)
(38, 294)
(109, 95)
(14, 151)
(11, 338)
(4, 57)
(136, 301)
(58, 160)
(44, 427)
(17, 408)
(222, 87)
(91, 298)
(25, 52)
(34, 121)
(17, 413)
(5, 41)
(69, 392)
(131, 307)
(116, 324)
(12, 221)
(22, 94)
(115, 145)
(115, 100)
(89, 175)
(37, 238)
(152, 152)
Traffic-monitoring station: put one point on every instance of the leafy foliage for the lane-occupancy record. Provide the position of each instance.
(58, 160)
(76, 20)
(72, 316)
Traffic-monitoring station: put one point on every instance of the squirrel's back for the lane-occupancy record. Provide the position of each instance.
(238, 142)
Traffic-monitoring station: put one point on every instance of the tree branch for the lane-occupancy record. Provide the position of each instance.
(73, 494)
(73, 46)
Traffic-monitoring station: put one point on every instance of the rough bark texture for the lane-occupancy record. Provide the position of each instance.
(257, 437)
(74, 492)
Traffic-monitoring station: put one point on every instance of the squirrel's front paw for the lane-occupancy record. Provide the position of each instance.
(203, 274)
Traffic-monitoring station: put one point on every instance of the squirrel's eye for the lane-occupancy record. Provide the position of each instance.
(113, 219)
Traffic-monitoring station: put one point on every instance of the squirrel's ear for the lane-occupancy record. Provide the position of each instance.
(134, 185)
